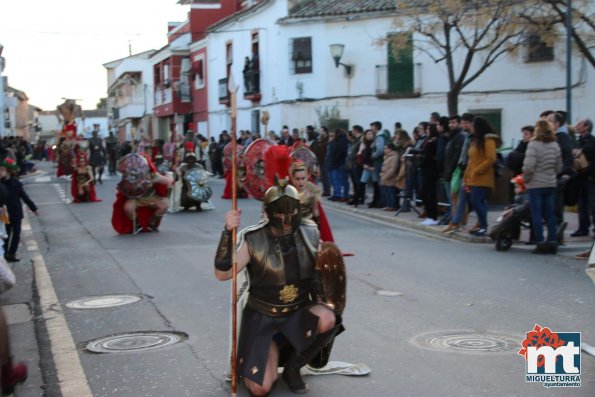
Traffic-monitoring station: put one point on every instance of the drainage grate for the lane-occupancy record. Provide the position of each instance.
(134, 342)
(467, 342)
(99, 302)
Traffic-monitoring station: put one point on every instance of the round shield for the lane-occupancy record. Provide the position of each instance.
(254, 181)
(136, 176)
(227, 156)
(305, 155)
(196, 182)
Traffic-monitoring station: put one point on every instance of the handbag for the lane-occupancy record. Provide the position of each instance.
(4, 215)
(455, 180)
(7, 277)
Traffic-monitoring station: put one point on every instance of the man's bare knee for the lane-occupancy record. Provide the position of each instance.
(258, 390)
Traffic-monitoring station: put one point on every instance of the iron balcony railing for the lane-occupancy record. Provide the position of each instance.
(251, 82)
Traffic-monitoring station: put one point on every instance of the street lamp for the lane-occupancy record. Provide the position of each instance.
(337, 53)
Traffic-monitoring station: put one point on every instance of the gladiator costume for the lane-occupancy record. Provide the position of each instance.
(67, 148)
(309, 198)
(138, 173)
(284, 284)
(80, 176)
(195, 190)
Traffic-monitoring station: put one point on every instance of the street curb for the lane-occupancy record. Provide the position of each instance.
(390, 218)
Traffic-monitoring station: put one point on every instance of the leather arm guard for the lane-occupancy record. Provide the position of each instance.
(223, 254)
(318, 289)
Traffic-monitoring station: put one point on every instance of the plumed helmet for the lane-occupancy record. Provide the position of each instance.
(282, 199)
(280, 189)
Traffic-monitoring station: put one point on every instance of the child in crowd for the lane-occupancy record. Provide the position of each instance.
(14, 193)
(388, 177)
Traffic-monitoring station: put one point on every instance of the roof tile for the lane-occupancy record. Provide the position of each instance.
(316, 8)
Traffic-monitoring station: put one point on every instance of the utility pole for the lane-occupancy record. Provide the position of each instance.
(569, 61)
(2, 94)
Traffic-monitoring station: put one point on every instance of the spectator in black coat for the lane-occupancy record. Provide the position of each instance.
(514, 160)
(14, 194)
(336, 157)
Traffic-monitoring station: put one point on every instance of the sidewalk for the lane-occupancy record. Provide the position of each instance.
(412, 221)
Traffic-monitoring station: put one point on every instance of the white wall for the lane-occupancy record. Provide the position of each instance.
(521, 90)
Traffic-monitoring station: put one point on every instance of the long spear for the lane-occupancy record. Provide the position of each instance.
(234, 206)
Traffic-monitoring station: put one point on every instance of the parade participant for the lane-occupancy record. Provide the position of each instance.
(283, 309)
(111, 146)
(82, 186)
(97, 154)
(310, 202)
(14, 194)
(227, 166)
(141, 200)
(67, 138)
(195, 191)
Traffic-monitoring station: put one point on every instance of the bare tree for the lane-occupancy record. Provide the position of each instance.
(583, 23)
(468, 36)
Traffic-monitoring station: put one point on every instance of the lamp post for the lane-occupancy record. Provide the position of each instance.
(337, 53)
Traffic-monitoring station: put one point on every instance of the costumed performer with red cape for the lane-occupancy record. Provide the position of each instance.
(150, 205)
(279, 162)
(82, 184)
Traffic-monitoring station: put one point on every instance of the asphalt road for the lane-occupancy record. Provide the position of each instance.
(430, 317)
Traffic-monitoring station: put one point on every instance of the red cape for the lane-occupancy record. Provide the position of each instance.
(121, 223)
(325, 228)
(92, 197)
(227, 190)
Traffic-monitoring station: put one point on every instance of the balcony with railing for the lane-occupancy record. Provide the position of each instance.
(398, 80)
(224, 97)
(252, 85)
(182, 90)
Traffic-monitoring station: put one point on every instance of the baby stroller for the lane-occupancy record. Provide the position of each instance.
(509, 225)
(515, 217)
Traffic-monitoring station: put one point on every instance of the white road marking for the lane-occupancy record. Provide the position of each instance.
(42, 179)
(71, 376)
(63, 196)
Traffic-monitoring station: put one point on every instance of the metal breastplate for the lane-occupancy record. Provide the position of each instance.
(272, 282)
(307, 201)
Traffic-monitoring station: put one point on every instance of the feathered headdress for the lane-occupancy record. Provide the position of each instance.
(277, 162)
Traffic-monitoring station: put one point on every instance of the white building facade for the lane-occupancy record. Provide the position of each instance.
(299, 79)
(130, 95)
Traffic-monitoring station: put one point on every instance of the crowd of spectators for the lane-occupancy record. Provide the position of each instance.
(448, 166)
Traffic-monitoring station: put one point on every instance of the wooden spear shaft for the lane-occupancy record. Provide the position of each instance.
(234, 206)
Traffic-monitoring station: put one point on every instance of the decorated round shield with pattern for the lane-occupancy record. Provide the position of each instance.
(196, 181)
(255, 181)
(227, 156)
(136, 176)
(305, 155)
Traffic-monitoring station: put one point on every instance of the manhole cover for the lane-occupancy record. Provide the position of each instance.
(467, 342)
(98, 302)
(134, 342)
